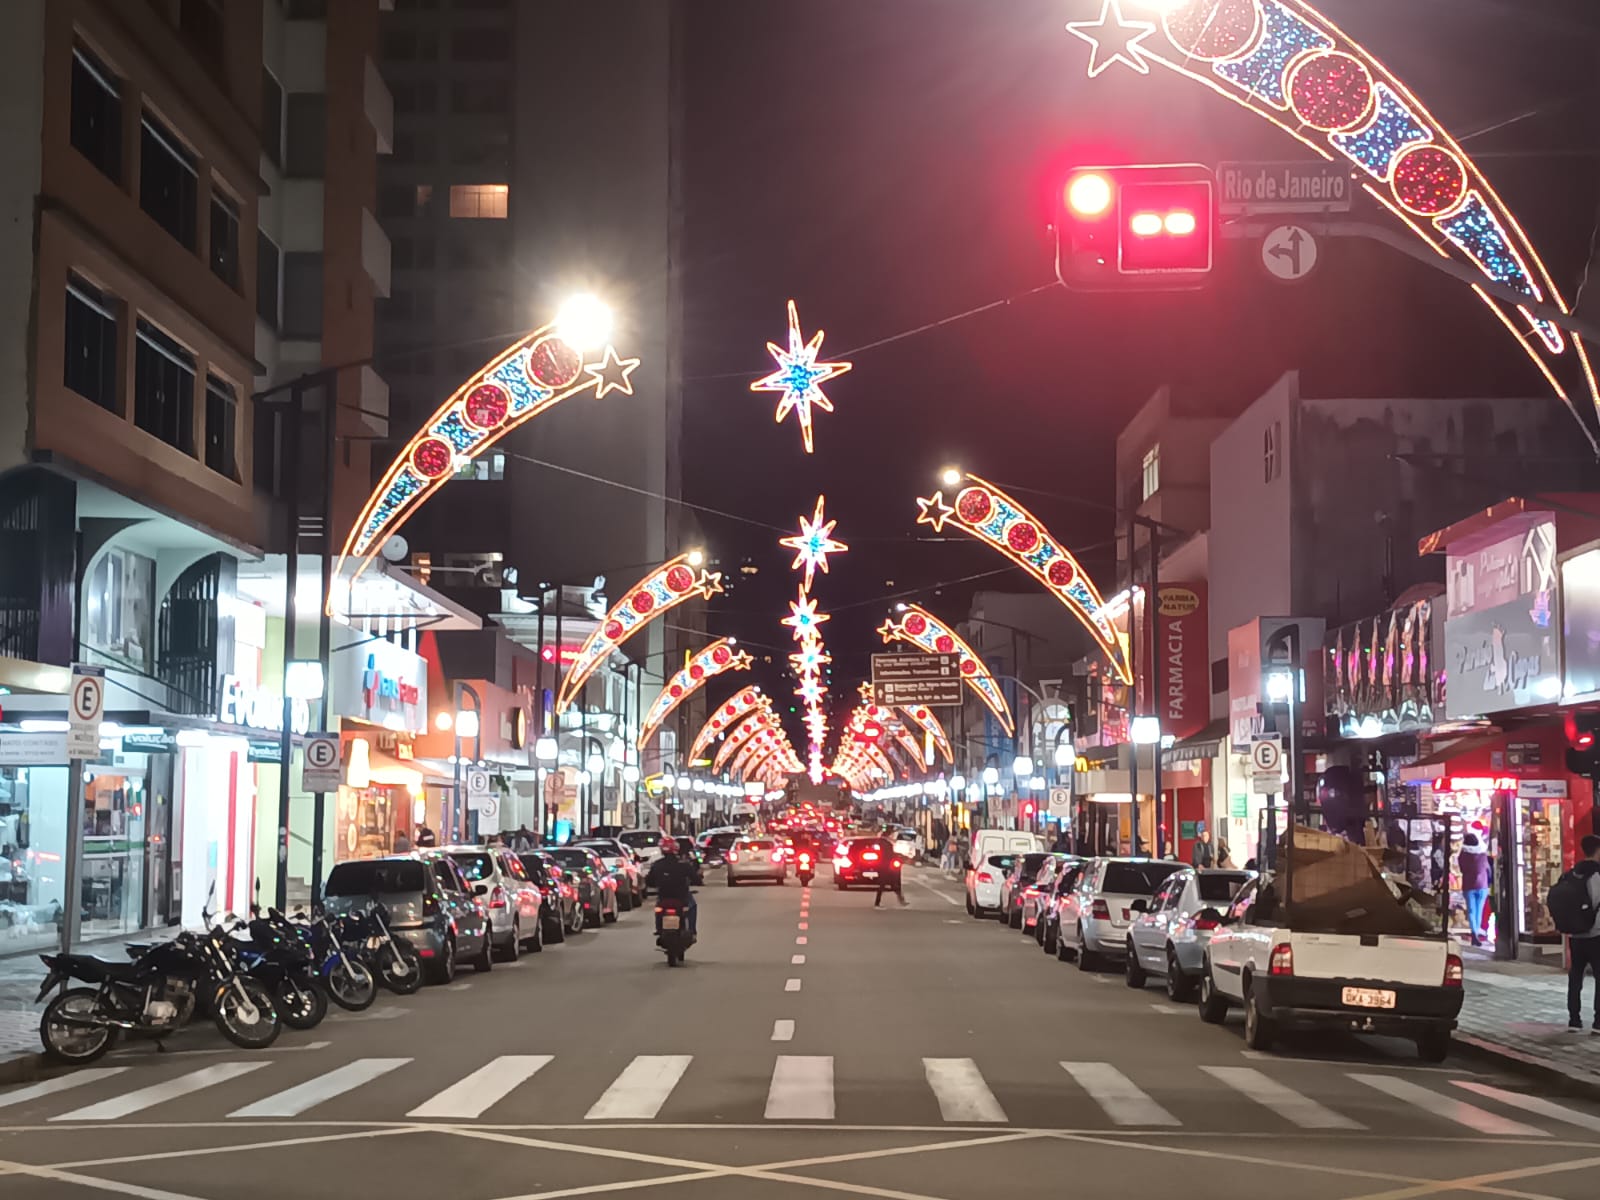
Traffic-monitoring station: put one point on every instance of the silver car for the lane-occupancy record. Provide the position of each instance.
(1095, 916)
(757, 858)
(1168, 937)
(510, 897)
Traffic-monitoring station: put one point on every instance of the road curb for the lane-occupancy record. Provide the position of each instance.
(21, 1068)
(1568, 1080)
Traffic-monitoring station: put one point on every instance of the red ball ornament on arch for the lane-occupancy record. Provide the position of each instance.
(1136, 227)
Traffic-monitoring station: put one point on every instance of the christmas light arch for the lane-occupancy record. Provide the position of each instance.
(929, 634)
(668, 586)
(990, 515)
(726, 716)
(740, 734)
(529, 378)
(716, 658)
(922, 716)
(1289, 64)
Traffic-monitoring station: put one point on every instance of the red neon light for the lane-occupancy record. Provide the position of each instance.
(1475, 783)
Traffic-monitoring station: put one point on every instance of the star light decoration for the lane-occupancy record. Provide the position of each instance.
(813, 544)
(799, 377)
(804, 619)
(1290, 65)
(710, 662)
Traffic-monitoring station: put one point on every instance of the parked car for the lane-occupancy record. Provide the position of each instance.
(512, 899)
(429, 904)
(619, 860)
(1095, 916)
(757, 858)
(562, 911)
(865, 862)
(597, 887)
(1036, 896)
(985, 842)
(1017, 880)
(646, 843)
(908, 845)
(1170, 932)
(984, 880)
(1048, 929)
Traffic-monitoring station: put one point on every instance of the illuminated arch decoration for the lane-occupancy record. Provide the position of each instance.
(799, 377)
(932, 636)
(716, 658)
(735, 710)
(740, 734)
(757, 751)
(922, 716)
(988, 514)
(1286, 62)
(813, 544)
(668, 586)
(531, 377)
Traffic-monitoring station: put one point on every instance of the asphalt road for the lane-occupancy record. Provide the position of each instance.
(812, 1045)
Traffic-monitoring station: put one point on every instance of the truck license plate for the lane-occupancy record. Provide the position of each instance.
(1368, 997)
(669, 921)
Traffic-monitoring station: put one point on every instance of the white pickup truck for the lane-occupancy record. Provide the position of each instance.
(1286, 977)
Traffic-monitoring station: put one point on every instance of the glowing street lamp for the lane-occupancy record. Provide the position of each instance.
(584, 322)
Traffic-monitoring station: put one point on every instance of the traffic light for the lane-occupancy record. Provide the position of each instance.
(1136, 228)
(1583, 741)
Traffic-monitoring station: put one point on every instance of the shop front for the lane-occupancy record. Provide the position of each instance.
(378, 693)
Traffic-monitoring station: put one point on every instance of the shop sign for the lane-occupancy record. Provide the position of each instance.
(1524, 754)
(160, 741)
(382, 683)
(1542, 789)
(1502, 644)
(1261, 646)
(1580, 621)
(33, 749)
(255, 708)
(1381, 673)
(262, 751)
(1182, 633)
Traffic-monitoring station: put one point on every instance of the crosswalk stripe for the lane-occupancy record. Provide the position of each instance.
(962, 1094)
(1123, 1101)
(1458, 1111)
(783, 1031)
(1285, 1101)
(478, 1092)
(51, 1086)
(1533, 1104)
(159, 1093)
(791, 985)
(642, 1088)
(293, 1101)
(802, 1089)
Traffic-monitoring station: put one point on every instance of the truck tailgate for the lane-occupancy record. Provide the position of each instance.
(1419, 961)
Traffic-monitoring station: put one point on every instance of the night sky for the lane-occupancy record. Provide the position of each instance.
(890, 163)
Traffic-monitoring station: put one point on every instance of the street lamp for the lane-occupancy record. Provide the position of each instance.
(957, 783)
(584, 322)
(630, 774)
(596, 763)
(991, 776)
(950, 476)
(1145, 731)
(698, 558)
(467, 724)
(1066, 755)
(1022, 767)
(304, 680)
(546, 749)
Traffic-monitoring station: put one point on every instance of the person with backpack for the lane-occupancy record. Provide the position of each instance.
(1574, 904)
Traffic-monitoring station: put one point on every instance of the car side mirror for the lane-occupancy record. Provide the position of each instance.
(1141, 905)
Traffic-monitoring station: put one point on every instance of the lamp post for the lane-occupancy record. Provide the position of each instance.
(468, 724)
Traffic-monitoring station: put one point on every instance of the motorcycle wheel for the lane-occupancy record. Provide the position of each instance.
(301, 1005)
(350, 985)
(251, 1021)
(674, 959)
(402, 969)
(70, 1042)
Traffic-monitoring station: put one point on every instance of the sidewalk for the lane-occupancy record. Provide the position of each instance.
(1518, 1011)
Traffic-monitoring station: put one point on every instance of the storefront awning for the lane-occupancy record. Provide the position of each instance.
(1204, 745)
(1456, 757)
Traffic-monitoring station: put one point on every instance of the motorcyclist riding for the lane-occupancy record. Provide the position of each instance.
(670, 878)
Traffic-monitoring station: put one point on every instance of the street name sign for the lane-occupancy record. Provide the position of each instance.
(930, 679)
(1250, 188)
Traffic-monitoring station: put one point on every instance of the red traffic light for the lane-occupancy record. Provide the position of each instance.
(1136, 227)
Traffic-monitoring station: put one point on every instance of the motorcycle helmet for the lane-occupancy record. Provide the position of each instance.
(669, 845)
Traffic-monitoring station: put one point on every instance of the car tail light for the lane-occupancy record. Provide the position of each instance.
(895, 864)
(805, 860)
(777, 855)
(1100, 911)
(733, 856)
(497, 898)
(1452, 971)
(985, 877)
(1282, 959)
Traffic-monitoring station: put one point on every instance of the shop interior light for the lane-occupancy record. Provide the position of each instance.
(41, 726)
(193, 737)
(395, 722)
(546, 749)
(303, 680)
(957, 782)
(466, 723)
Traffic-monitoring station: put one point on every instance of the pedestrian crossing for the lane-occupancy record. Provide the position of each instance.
(535, 1089)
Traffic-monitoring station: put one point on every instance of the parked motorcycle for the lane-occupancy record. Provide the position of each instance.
(274, 954)
(349, 983)
(393, 960)
(672, 931)
(805, 867)
(155, 994)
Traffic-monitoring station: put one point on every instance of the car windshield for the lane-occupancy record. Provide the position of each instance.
(1003, 861)
(1216, 888)
(756, 845)
(603, 849)
(1136, 878)
(380, 876)
(476, 867)
(641, 839)
(572, 858)
(534, 866)
(722, 840)
(1031, 864)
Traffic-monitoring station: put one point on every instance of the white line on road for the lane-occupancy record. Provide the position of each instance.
(783, 1031)
(473, 1096)
(797, 960)
(800, 941)
(158, 1093)
(1266, 1056)
(51, 1086)
(962, 1094)
(802, 1089)
(387, 1013)
(1285, 1101)
(641, 1089)
(457, 987)
(294, 1101)
(1167, 1010)
(1458, 1111)
(144, 1052)
(804, 925)
(951, 900)
(1123, 1100)
(791, 985)
(1533, 1104)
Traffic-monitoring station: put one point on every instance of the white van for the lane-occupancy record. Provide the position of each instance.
(990, 854)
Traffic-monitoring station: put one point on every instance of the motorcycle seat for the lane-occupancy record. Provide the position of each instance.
(86, 966)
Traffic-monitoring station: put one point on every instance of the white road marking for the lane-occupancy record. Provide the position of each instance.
(800, 941)
(1533, 1104)
(642, 1088)
(804, 925)
(51, 1086)
(950, 900)
(783, 1031)
(473, 1096)
(791, 985)
(144, 1052)
(1167, 1010)
(1458, 1111)
(387, 1013)
(159, 1093)
(1266, 1056)
(797, 960)
(457, 987)
(802, 1089)
(294, 1101)
(1285, 1101)
(1123, 1100)
(962, 1094)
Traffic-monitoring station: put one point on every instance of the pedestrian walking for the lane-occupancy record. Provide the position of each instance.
(888, 876)
(1475, 876)
(1224, 856)
(1574, 904)
(952, 855)
(1203, 856)
(425, 837)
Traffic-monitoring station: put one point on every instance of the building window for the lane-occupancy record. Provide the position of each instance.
(399, 45)
(484, 97)
(408, 253)
(267, 282)
(168, 184)
(307, 128)
(224, 238)
(222, 420)
(163, 388)
(479, 201)
(306, 10)
(96, 113)
(481, 148)
(1152, 472)
(302, 294)
(91, 344)
(1271, 452)
(480, 45)
(422, 96)
(271, 117)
